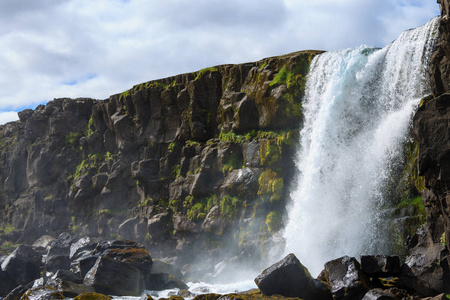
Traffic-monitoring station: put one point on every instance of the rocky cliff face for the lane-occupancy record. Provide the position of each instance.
(190, 164)
(430, 257)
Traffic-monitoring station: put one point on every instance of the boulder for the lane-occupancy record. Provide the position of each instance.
(65, 275)
(57, 262)
(346, 278)
(164, 267)
(90, 296)
(16, 293)
(43, 242)
(157, 226)
(6, 284)
(43, 293)
(380, 265)
(290, 278)
(164, 281)
(378, 294)
(112, 277)
(22, 265)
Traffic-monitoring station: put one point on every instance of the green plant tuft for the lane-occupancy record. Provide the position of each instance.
(205, 71)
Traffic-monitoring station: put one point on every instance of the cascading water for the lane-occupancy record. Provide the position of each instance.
(358, 107)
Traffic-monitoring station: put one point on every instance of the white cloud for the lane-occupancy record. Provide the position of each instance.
(8, 116)
(78, 48)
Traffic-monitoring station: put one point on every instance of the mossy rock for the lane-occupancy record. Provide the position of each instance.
(92, 296)
(211, 296)
(270, 186)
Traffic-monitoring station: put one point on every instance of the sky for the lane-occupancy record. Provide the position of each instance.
(96, 48)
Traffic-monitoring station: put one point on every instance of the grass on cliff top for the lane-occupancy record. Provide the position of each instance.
(205, 71)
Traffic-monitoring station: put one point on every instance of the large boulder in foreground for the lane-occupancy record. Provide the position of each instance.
(121, 268)
(22, 265)
(290, 278)
(346, 278)
(112, 277)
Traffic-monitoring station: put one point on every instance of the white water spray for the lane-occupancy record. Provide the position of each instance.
(358, 107)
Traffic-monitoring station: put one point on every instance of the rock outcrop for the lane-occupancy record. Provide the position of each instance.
(429, 261)
(174, 163)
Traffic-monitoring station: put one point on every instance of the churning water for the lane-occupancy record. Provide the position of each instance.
(358, 107)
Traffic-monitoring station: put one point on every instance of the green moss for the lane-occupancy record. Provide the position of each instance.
(124, 95)
(270, 186)
(108, 156)
(415, 202)
(207, 297)
(176, 171)
(90, 128)
(442, 239)
(234, 162)
(196, 212)
(148, 201)
(282, 77)
(91, 161)
(7, 248)
(269, 153)
(72, 139)
(229, 205)
(172, 147)
(230, 136)
(92, 296)
(205, 71)
(6, 228)
(263, 65)
(274, 220)
(426, 99)
(191, 143)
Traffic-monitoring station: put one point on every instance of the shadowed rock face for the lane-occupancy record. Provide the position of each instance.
(174, 163)
(429, 260)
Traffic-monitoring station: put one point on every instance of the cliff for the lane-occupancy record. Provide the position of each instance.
(196, 163)
(430, 256)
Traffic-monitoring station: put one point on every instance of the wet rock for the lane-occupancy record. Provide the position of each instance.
(22, 265)
(378, 294)
(290, 278)
(157, 225)
(57, 262)
(16, 293)
(6, 284)
(42, 242)
(126, 229)
(71, 289)
(425, 277)
(65, 275)
(380, 265)
(42, 293)
(242, 182)
(164, 281)
(164, 267)
(91, 296)
(346, 278)
(57, 256)
(214, 221)
(111, 277)
(439, 297)
(80, 247)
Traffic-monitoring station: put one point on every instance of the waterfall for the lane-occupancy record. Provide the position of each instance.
(358, 107)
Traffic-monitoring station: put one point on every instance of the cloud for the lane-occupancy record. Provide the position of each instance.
(8, 116)
(84, 48)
